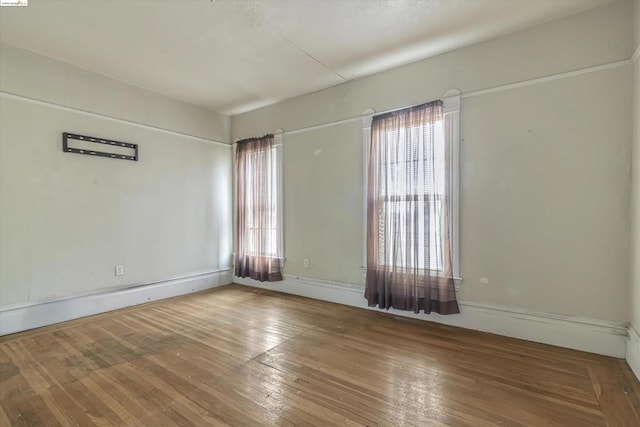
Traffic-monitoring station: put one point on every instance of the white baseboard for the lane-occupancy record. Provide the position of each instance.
(22, 317)
(591, 335)
(633, 350)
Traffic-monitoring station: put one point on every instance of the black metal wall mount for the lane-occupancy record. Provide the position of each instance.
(66, 136)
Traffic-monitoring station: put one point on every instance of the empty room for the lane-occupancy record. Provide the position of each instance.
(320, 212)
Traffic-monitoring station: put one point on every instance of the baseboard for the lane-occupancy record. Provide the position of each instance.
(633, 350)
(591, 335)
(22, 317)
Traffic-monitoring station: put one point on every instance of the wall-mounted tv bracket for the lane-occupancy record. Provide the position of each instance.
(115, 148)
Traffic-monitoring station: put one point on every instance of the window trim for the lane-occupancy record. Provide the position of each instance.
(367, 119)
(451, 106)
(278, 140)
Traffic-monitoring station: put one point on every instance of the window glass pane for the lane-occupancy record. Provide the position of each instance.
(413, 178)
(259, 202)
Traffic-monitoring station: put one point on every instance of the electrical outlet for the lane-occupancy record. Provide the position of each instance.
(306, 263)
(119, 270)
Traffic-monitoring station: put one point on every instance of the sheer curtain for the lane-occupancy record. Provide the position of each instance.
(409, 263)
(259, 250)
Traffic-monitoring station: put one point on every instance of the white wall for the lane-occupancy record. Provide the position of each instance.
(545, 168)
(31, 75)
(635, 198)
(633, 339)
(66, 220)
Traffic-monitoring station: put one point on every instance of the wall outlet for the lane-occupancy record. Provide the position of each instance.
(306, 263)
(119, 270)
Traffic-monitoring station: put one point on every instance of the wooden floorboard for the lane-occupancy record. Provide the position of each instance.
(242, 356)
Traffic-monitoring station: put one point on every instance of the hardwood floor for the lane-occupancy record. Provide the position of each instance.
(244, 356)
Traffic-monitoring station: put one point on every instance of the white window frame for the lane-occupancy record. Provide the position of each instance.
(451, 106)
(278, 139)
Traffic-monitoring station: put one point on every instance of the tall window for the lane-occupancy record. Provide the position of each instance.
(409, 205)
(258, 209)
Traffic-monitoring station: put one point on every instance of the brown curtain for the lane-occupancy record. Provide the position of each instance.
(258, 254)
(408, 239)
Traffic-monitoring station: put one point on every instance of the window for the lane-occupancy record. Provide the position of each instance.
(409, 179)
(411, 206)
(258, 175)
(261, 238)
(407, 188)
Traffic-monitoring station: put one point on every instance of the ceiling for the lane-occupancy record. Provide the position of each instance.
(233, 56)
